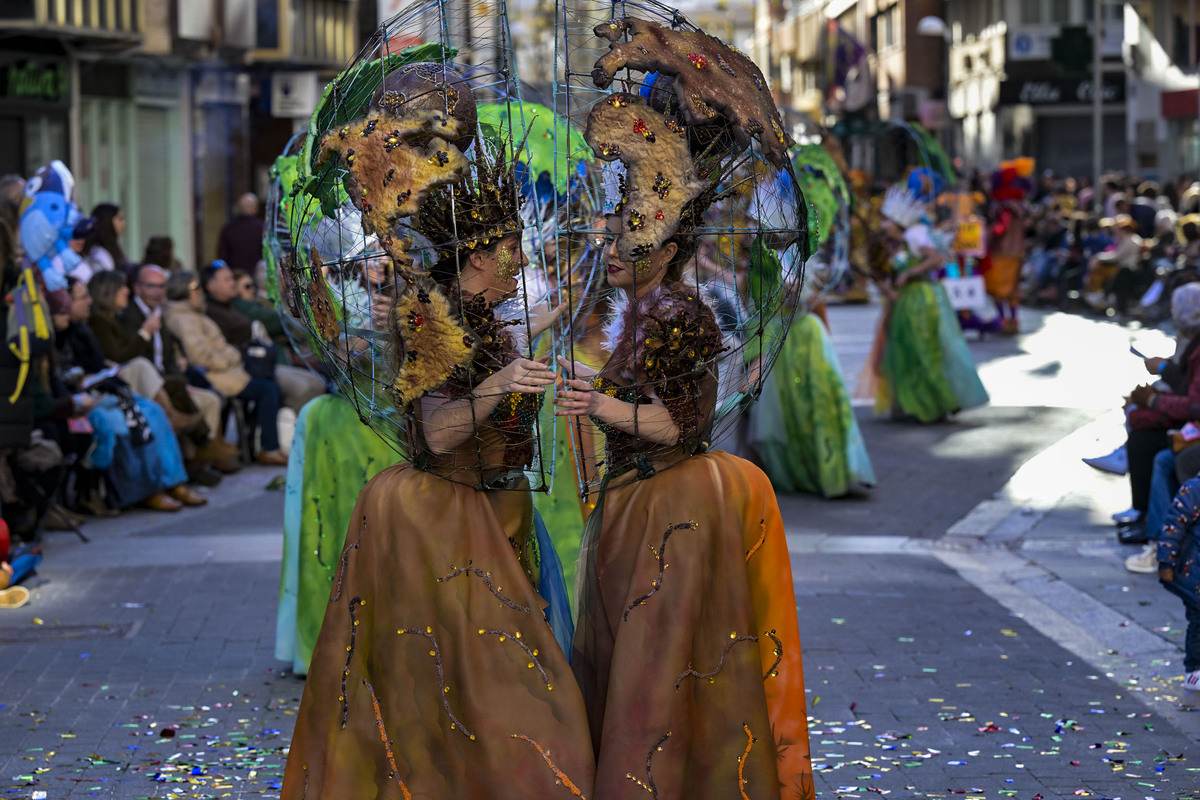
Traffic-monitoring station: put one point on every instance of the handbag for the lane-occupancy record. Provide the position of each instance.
(258, 357)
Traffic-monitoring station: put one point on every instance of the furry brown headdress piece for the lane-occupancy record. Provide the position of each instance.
(711, 79)
(394, 160)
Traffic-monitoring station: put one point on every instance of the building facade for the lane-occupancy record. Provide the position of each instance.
(163, 107)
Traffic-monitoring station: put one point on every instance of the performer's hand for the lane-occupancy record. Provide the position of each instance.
(1166, 575)
(1153, 365)
(576, 369)
(576, 398)
(531, 376)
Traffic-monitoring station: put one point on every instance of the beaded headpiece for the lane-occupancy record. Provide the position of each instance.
(478, 211)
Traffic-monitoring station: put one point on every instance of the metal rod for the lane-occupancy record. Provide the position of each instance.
(1097, 92)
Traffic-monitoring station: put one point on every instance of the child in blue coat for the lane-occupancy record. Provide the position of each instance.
(1179, 570)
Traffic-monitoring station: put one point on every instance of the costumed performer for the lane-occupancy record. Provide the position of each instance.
(435, 673)
(687, 647)
(1006, 251)
(924, 369)
(803, 426)
(334, 454)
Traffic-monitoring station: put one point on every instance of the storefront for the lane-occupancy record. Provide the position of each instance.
(35, 101)
(1051, 118)
(133, 149)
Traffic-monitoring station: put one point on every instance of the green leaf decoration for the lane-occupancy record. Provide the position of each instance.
(824, 188)
(548, 134)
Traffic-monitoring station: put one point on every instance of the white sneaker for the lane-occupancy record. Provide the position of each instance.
(1116, 462)
(1145, 562)
(1191, 681)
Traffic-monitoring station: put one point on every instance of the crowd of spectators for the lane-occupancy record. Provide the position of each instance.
(1122, 260)
(132, 405)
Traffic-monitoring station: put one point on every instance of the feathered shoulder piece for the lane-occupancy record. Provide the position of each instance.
(668, 332)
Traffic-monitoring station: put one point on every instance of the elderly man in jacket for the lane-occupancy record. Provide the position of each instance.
(205, 346)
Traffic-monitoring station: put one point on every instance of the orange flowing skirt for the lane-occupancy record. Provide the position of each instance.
(435, 674)
(687, 648)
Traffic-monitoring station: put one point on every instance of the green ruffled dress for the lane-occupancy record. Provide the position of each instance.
(803, 425)
(926, 370)
(333, 456)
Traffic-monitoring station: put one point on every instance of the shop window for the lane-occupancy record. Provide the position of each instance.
(1060, 11)
(884, 29)
(1112, 12)
(1031, 12)
(267, 26)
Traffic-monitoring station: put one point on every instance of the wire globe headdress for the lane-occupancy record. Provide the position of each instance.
(694, 152)
(824, 187)
(410, 163)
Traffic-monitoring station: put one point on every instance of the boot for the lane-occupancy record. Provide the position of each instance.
(180, 422)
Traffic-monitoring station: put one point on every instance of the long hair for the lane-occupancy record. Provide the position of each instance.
(160, 250)
(104, 287)
(105, 233)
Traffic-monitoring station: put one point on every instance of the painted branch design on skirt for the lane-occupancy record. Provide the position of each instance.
(648, 784)
(777, 652)
(486, 577)
(762, 524)
(750, 740)
(558, 773)
(710, 676)
(355, 602)
(532, 654)
(436, 652)
(337, 594)
(387, 743)
(661, 555)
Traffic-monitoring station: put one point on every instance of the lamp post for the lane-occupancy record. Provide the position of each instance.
(936, 26)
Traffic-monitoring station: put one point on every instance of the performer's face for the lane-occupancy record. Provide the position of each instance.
(640, 276)
(494, 272)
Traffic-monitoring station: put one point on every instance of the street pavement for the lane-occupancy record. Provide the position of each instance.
(969, 628)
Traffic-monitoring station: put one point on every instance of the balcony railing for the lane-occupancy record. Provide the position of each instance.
(114, 20)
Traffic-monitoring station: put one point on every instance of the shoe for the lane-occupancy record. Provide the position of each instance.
(1127, 517)
(216, 450)
(96, 507)
(15, 597)
(227, 466)
(1191, 681)
(1145, 562)
(200, 473)
(1116, 462)
(1132, 534)
(274, 458)
(162, 502)
(186, 496)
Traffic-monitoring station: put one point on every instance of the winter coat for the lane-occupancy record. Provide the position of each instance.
(1179, 543)
(1178, 407)
(205, 346)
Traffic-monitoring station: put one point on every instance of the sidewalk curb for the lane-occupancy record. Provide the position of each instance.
(984, 548)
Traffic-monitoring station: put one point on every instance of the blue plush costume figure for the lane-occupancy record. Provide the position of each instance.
(48, 216)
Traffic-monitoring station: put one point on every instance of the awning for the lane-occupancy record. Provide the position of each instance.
(1180, 104)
